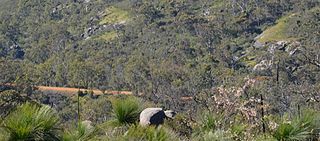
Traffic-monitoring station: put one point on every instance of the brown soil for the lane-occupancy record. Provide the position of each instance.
(72, 91)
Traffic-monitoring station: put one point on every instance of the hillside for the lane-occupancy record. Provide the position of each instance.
(223, 55)
(157, 48)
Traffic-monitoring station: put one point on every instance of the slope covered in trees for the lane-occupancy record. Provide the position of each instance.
(245, 63)
(224, 55)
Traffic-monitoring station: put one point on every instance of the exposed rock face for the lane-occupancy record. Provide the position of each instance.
(14, 51)
(257, 44)
(265, 64)
(96, 29)
(87, 1)
(154, 116)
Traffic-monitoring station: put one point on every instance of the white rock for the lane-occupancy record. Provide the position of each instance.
(154, 116)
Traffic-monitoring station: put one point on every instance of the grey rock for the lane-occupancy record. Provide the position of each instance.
(263, 65)
(258, 44)
(272, 48)
(155, 116)
(259, 36)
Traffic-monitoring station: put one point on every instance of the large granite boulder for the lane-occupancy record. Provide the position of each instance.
(155, 116)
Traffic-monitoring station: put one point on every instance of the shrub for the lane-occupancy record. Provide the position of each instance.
(208, 122)
(150, 133)
(83, 132)
(125, 111)
(4, 136)
(181, 125)
(217, 135)
(239, 130)
(208, 129)
(300, 128)
(265, 137)
(32, 122)
(9, 100)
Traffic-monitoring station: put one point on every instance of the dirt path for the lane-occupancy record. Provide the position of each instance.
(72, 91)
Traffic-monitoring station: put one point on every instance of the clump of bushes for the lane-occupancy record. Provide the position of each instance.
(215, 135)
(208, 128)
(150, 133)
(84, 131)
(302, 127)
(32, 122)
(125, 110)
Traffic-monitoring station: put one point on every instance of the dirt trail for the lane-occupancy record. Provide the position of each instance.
(72, 91)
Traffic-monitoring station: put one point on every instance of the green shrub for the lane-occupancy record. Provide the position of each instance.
(208, 129)
(125, 111)
(208, 122)
(238, 130)
(300, 128)
(81, 133)
(32, 122)
(181, 125)
(150, 133)
(9, 100)
(265, 137)
(217, 135)
(4, 136)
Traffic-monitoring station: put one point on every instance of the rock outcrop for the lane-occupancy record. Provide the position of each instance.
(265, 64)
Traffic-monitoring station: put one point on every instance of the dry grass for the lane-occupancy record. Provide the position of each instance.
(115, 15)
(109, 35)
(277, 32)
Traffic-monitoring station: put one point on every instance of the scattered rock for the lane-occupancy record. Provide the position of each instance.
(263, 65)
(257, 44)
(16, 51)
(96, 29)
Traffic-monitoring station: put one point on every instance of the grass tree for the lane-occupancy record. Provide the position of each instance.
(149, 133)
(207, 122)
(302, 127)
(32, 122)
(208, 129)
(84, 131)
(125, 110)
(216, 135)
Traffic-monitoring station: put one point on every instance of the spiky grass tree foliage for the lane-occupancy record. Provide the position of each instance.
(82, 132)
(207, 129)
(300, 128)
(32, 122)
(125, 110)
(217, 135)
(208, 122)
(149, 133)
